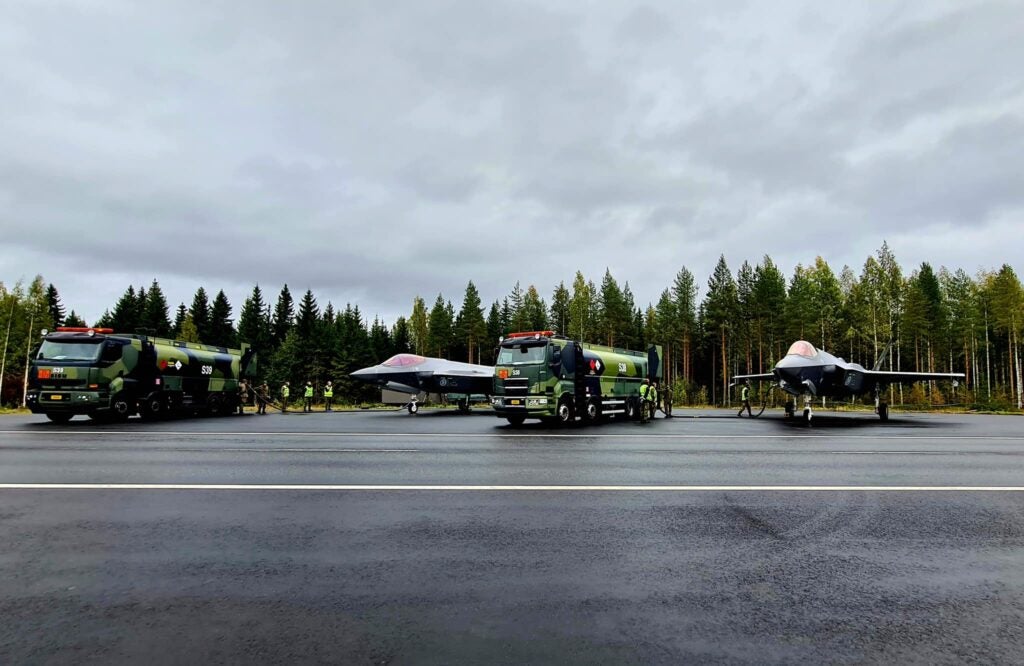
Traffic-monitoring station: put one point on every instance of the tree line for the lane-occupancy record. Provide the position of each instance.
(742, 323)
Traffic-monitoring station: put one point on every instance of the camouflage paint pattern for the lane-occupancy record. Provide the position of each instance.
(606, 379)
(136, 369)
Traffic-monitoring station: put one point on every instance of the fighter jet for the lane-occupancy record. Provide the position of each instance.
(411, 373)
(814, 373)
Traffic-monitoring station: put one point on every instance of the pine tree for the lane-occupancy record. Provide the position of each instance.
(472, 328)
(74, 320)
(306, 319)
(440, 325)
(561, 310)
(54, 305)
(615, 318)
(769, 310)
(684, 297)
(222, 332)
(125, 318)
(284, 315)
(418, 326)
(535, 311)
(400, 337)
(721, 308)
(200, 312)
(254, 323)
(155, 316)
(179, 322)
(581, 324)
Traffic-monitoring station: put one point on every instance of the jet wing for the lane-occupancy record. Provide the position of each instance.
(883, 377)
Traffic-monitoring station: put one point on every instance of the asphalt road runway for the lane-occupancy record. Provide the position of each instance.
(384, 538)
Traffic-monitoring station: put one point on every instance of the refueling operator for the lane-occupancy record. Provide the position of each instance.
(745, 397)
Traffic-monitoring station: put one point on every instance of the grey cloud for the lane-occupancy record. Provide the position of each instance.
(371, 153)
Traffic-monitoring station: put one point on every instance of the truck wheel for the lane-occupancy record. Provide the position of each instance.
(153, 408)
(630, 414)
(516, 420)
(120, 408)
(565, 415)
(227, 407)
(59, 417)
(213, 404)
(593, 410)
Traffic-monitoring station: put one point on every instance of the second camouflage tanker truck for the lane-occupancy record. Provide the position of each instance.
(111, 376)
(540, 375)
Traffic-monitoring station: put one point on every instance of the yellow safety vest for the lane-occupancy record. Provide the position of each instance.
(328, 391)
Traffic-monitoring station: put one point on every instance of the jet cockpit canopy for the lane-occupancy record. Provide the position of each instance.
(403, 361)
(802, 348)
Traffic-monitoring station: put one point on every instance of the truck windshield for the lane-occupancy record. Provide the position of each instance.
(521, 354)
(69, 351)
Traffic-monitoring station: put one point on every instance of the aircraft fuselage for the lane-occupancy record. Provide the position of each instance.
(823, 375)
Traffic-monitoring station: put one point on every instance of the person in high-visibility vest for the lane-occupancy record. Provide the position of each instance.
(285, 393)
(745, 397)
(307, 396)
(328, 395)
(646, 391)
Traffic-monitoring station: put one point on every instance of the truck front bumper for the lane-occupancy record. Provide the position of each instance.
(68, 402)
(523, 406)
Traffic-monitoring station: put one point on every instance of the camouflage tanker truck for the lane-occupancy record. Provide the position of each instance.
(540, 375)
(111, 376)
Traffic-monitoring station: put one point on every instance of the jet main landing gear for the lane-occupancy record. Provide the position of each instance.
(881, 408)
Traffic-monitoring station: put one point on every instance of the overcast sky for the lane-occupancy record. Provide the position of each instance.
(373, 151)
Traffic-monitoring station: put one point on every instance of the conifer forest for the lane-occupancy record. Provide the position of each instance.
(739, 320)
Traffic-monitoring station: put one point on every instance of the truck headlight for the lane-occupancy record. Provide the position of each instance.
(537, 402)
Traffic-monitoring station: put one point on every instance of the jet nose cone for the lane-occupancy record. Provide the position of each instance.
(365, 374)
(789, 372)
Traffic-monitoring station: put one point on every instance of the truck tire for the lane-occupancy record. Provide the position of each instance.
(565, 415)
(59, 417)
(120, 408)
(214, 404)
(630, 414)
(153, 408)
(593, 413)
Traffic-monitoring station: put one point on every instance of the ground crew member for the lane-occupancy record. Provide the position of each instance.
(285, 393)
(328, 396)
(262, 397)
(666, 401)
(745, 397)
(653, 395)
(645, 408)
(243, 395)
(307, 396)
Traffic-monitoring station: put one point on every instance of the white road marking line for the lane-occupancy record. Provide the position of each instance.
(435, 435)
(490, 488)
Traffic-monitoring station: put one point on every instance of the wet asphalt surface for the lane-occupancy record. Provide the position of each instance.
(589, 572)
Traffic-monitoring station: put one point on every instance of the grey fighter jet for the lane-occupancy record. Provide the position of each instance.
(814, 373)
(411, 373)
